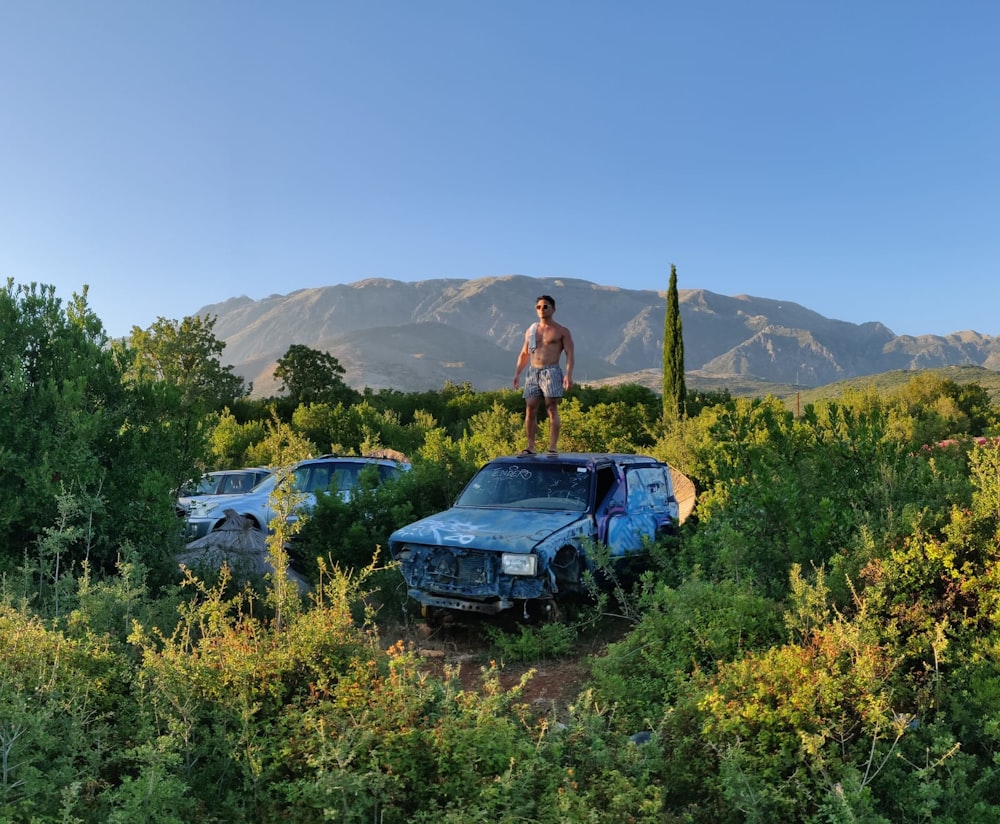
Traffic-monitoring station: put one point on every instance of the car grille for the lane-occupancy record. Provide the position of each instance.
(449, 570)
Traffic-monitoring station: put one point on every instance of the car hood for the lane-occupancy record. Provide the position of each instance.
(498, 530)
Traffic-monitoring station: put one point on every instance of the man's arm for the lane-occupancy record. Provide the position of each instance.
(522, 360)
(568, 349)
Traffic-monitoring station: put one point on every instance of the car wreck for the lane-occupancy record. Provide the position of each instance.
(522, 530)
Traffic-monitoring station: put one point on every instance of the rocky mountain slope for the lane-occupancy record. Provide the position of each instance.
(418, 336)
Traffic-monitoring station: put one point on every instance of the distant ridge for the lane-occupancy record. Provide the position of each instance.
(417, 336)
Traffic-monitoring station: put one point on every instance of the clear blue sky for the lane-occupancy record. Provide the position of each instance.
(844, 155)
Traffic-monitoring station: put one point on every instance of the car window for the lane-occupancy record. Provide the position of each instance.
(264, 482)
(235, 484)
(205, 486)
(345, 477)
(530, 486)
(648, 489)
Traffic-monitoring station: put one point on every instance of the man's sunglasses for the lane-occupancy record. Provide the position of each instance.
(544, 306)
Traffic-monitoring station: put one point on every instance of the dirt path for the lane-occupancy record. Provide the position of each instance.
(555, 682)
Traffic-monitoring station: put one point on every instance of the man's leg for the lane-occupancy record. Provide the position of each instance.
(531, 420)
(552, 407)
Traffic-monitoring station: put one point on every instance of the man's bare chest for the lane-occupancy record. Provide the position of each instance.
(549, 336)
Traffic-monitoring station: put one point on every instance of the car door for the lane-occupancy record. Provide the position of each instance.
(609, 498)
(649, 508)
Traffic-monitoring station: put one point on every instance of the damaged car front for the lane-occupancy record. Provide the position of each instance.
(518, 533)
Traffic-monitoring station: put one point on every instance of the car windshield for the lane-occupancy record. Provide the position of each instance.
(528, 486)
(205, 485)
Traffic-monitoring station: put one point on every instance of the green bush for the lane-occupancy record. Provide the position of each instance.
(695, 627)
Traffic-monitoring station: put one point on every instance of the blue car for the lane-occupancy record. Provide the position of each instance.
(519, 532)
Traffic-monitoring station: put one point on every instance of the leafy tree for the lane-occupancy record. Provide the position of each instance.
(702, 399)
(176, 368)
(280, 446)
(353, 429)
(230, 441)
(84, 471)
(492, 432)
(607, 427)
(310, 376)
(452, 407)
(674, 390)
(630, 394)
(185, 354)
(931, 408)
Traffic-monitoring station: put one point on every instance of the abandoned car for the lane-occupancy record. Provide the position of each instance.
(222, 482)
(520, 530)
(328, 474)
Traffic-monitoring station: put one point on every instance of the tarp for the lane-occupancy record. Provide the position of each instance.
(240, 545)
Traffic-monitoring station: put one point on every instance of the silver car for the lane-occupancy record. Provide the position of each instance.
(325, 475)
(223, 482)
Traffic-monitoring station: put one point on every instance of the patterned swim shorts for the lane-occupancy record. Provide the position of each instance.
(544, 381)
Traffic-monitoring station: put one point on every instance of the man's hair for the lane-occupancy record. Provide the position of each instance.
(551, 300)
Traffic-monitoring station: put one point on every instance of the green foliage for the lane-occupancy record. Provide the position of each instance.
(674, 388)
(281, 446)
(311, 376)
(781, 491)
(230, 441)
(939, 408)
(494, 431)
(703, 399)
(446, 467)
(530, 644)
(64, 719)
(606, 427)
(350, 533)
(692, 628)
(216, 689)
(88, 462)
(359, 428)
(820, 644)
(451, 407)
(785, 721)
(984, 469)
(186, 355)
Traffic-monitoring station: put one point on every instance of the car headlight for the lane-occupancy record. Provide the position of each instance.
(511, 564)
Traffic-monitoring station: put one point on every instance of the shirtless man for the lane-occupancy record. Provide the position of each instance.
(544, 344)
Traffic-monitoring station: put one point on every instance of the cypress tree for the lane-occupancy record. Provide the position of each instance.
(674, 389)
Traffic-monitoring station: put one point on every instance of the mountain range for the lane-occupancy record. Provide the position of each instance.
(418, 336)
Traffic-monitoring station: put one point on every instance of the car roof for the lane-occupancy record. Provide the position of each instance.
(578, 459)
(349, 459)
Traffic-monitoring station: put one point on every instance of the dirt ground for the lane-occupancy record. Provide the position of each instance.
(555, 683)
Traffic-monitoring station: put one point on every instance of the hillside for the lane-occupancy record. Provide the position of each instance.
(418, 336)
(798, 396)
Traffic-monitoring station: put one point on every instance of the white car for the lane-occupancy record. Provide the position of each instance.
(324, 475)
(223, 482)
